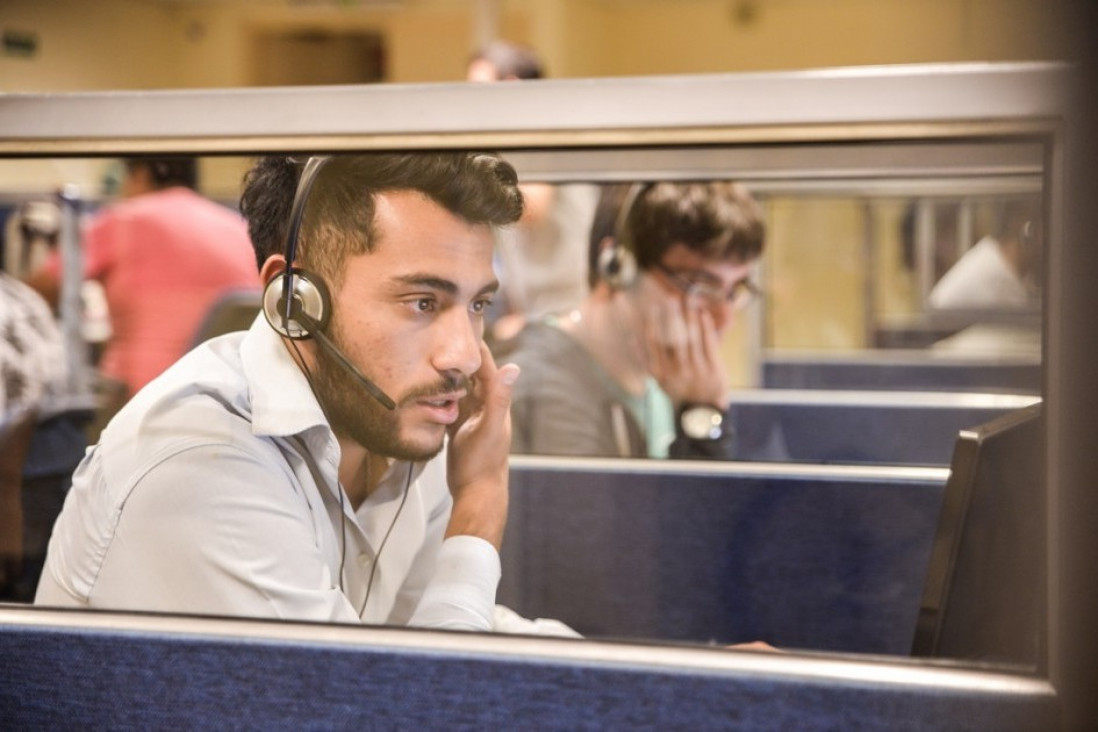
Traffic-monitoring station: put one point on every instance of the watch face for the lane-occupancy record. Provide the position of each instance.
(701, 423)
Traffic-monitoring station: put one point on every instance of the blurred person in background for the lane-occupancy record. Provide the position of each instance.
(504, 61)
(164, 254)
(31, 369)
(1002, 269)
(995, 285)
(32, 237)
(541, 260)
(635, 370)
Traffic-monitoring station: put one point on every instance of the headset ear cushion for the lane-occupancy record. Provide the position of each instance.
(308, 295)
(617, 267)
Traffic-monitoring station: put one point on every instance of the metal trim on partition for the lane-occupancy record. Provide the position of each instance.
(868, 399)
(780, 167)
(734, 469)
(505, 140)
(915, 102)
(590, 653)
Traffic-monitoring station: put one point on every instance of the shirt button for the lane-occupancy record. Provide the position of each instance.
(363, 559)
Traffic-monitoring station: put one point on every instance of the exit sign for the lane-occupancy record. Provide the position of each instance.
(19, 43)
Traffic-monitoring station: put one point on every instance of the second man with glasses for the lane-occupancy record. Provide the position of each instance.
(636, 370)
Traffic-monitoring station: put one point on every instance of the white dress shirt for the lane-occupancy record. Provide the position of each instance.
(981, 278)
(215, 491)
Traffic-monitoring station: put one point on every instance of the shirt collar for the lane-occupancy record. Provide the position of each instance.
(282, 401)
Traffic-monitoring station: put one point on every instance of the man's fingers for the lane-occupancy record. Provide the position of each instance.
(495, 385)
(657, 351)
(504, 384)
(677, 326)
(695, 337)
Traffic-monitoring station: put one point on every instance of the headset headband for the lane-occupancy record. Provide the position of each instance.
(297, 213)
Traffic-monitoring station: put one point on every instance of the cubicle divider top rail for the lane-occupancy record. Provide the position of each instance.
(82, 669)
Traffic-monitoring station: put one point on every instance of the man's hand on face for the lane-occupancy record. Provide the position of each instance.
(480, 442)
(684, 351)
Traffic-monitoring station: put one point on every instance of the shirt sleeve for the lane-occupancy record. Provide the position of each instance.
(552, 423)
(687, 448)
(451, 583)
(461, 593)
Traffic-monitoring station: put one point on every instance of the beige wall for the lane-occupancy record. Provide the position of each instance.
(83, 45)
(691, 36)
(136, 44)
(816, 268)
(139, 44)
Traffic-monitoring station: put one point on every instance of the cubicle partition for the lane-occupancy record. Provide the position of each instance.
(859, 427)
(82, 670)
(649, 560)
(810, 557)
(902, 370)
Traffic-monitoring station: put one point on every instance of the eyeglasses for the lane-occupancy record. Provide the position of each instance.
(739, 295)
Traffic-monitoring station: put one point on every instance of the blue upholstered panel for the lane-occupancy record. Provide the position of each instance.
(825, 563)
(76, 678)
(907, 374)
(853, 432)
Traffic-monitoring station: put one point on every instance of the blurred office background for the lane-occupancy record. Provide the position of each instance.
(70, 45)
(847, 268)
(839, 271)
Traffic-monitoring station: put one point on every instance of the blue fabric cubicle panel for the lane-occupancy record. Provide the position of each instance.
(817, 559)
(885, 370)
(126, 674)
(844, 427)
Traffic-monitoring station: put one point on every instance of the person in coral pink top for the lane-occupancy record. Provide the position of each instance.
(164, 254)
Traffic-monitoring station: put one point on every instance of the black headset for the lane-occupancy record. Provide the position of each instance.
(617, 263)
(297, 305)
(296, 302)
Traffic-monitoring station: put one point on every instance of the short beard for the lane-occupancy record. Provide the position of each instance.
(354, 413)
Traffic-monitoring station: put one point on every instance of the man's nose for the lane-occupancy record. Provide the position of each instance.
(458, 343)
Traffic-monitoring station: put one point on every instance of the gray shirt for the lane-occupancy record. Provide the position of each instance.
(565, 403)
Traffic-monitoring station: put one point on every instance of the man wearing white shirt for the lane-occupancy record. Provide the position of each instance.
(1000, 270)
(999, 273)
(346, 458)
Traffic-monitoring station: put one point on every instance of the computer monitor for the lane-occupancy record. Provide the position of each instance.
(986, 593)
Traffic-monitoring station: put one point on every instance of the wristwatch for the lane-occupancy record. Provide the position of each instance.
(701, 422)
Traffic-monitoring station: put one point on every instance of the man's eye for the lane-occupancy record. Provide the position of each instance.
(479, 306)
(425, 305)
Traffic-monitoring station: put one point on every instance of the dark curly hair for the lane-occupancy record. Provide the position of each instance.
(480, 188)
(718, 219)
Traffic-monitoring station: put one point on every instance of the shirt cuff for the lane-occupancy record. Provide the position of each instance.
(462, 593)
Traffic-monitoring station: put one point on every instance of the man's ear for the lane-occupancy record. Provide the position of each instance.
(274, 266)
(615, 266)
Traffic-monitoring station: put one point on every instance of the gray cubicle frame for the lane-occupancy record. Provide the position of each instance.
(920, 114)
